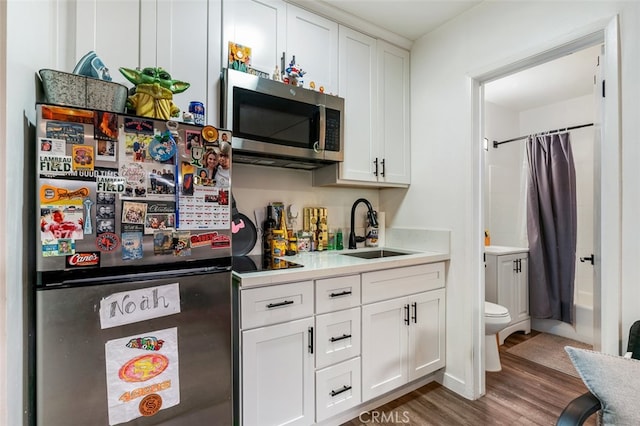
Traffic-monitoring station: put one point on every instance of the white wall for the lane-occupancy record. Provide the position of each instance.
(3, 207)
(444, 152)
(32, 44)
(503, 185)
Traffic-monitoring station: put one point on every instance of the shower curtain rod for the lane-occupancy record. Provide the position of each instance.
(496, 143)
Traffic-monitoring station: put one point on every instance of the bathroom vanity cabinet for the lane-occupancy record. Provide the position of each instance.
(507, 284)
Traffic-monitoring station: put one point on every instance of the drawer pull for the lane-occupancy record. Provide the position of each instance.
(339, 391)
(275, 305)
(344, 336)
(343, 293)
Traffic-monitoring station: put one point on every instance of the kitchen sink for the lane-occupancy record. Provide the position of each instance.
(375, 254)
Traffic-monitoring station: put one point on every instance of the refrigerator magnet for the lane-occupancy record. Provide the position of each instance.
(107, 241)
(162, 147)
(210, 133)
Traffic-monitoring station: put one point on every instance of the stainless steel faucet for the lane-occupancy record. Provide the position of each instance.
(371, 215)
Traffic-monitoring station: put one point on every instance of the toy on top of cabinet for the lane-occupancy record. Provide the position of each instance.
(294, 74)
(154, 90)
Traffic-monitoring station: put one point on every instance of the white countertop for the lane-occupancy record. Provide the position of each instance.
(500, 250)
(333, 263)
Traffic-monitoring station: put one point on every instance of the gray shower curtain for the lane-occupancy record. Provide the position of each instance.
(551, 227)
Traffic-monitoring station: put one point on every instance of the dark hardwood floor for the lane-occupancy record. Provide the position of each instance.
(523, 393)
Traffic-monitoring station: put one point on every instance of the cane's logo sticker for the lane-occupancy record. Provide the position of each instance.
(202, 239)
(150, 405)
(107, 241)
(83, 260)
(148, 343)
(143, 368)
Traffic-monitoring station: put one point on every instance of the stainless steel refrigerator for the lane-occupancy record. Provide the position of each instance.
(133, 292)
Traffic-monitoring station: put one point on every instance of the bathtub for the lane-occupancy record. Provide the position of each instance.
(583, 331)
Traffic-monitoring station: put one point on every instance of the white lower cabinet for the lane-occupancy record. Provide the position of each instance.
(426, 345)
(403, 338)
(507, 284)
(311, 350)
(337, 336)
(384, 349)
(337, 388)
(278, 374)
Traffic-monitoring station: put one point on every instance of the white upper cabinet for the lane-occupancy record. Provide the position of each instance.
(357, 82)
(117, 45)
(153, 33)
(374, 80)
(393, 114)
(177, 41)
(314, 42)
(258, 24)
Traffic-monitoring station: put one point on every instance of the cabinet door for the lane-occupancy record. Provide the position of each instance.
(513, 291)
(384, 346)
(357, 81)
(116, 44)
(314, 42)
(393, 115)
(277, 375)
(258, 24)
(151, 33)
(426, 351)
(506, 285)
(173, 36)
(521, 291)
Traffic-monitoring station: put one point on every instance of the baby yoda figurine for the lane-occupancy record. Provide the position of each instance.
(154, 91)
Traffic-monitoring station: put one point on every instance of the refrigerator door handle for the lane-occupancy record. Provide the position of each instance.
(54, 279)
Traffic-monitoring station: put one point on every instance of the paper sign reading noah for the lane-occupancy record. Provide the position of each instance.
(139, 305)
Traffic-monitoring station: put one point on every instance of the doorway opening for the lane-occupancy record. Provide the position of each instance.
(606, 175)
(557, 94)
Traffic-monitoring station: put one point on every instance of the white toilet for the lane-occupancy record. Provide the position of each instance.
(496, 318)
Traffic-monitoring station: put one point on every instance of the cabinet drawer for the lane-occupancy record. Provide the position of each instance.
(278, 303)
(337, 336)
(390, 283)
(337, 388)
(333, 294)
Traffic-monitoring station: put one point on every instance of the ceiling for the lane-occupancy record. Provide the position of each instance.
(565, 78)
(410, 19)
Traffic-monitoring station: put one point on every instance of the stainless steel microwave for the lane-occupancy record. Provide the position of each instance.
(276, 124)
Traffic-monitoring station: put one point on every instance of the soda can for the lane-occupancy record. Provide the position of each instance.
(197, 109)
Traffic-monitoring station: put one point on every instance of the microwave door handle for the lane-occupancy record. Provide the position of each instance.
(320, 144)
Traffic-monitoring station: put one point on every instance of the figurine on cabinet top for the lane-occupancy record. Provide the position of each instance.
(154, 92)
(294, 74)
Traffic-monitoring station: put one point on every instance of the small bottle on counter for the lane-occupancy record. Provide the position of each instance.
(293, 246)
(278, 243)
(331, 242)
(371, 236)
(268, 227)
(339, 243)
